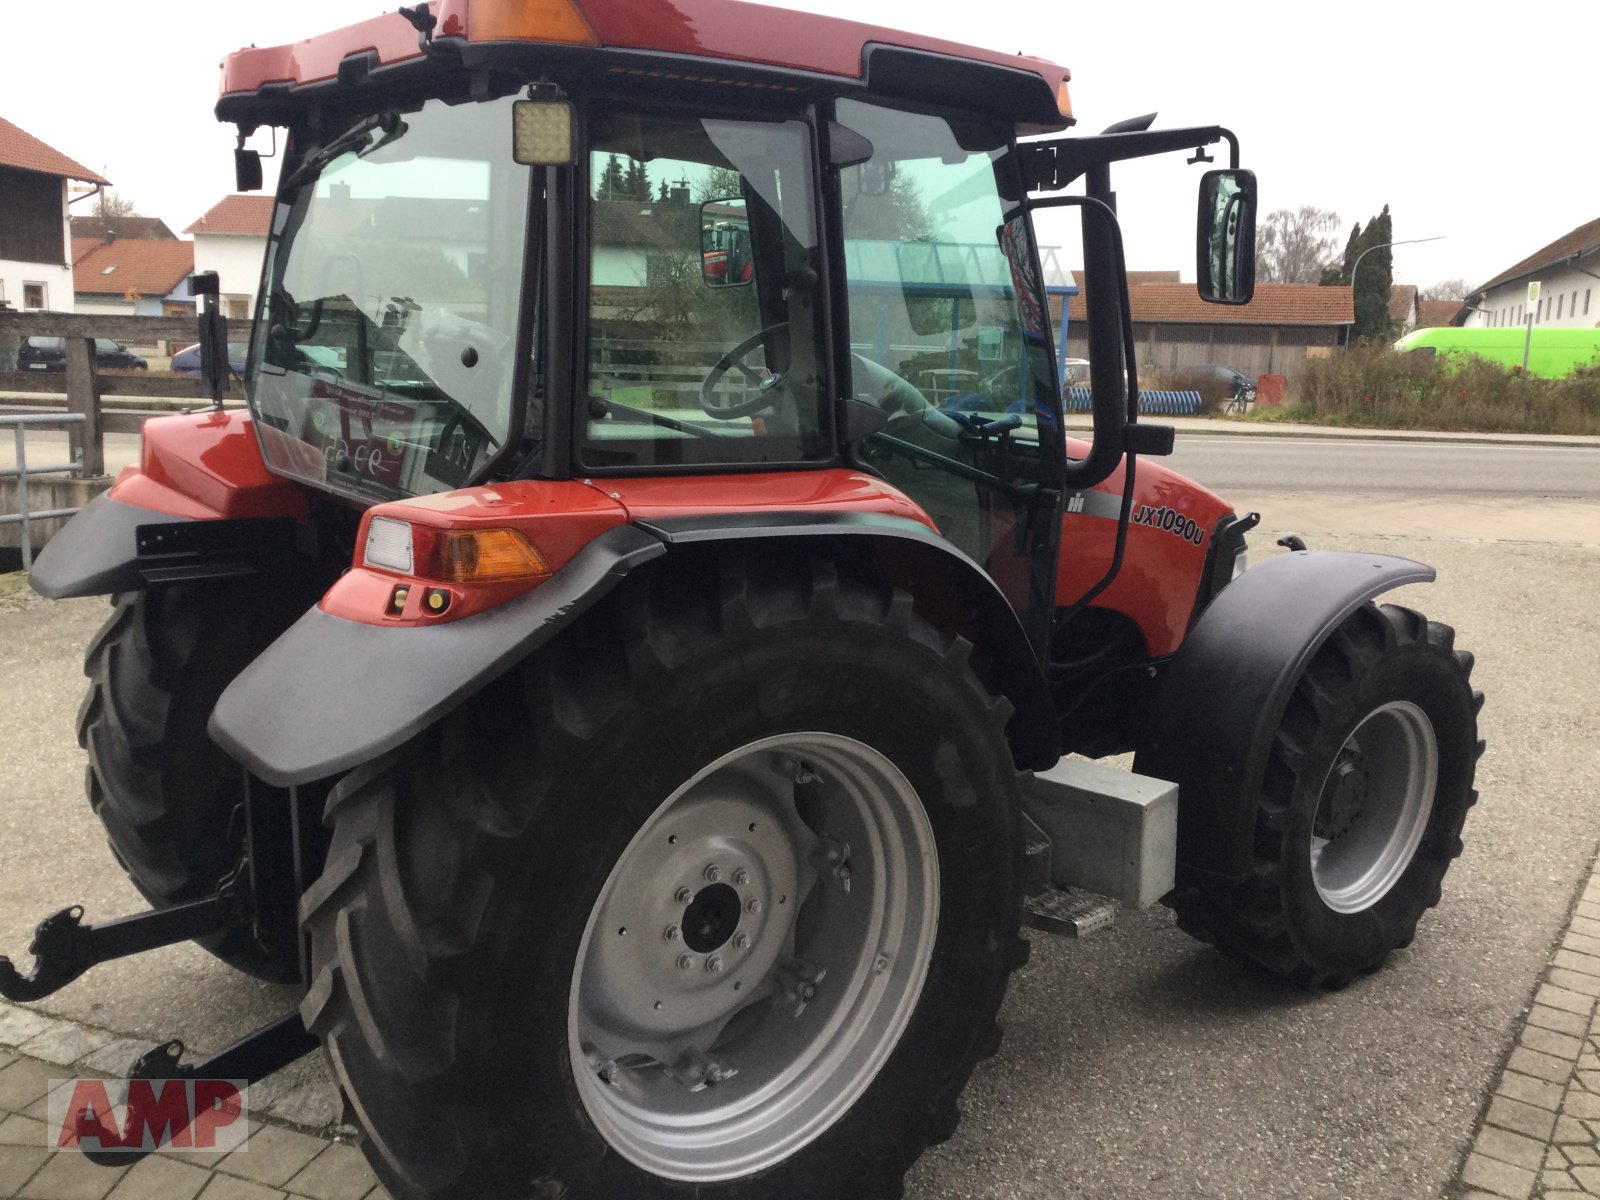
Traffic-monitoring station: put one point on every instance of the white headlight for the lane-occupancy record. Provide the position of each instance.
(388, 545)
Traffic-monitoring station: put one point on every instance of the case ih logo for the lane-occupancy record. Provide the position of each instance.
(205, 1116)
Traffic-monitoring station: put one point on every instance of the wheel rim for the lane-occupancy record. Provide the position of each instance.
(1374, 807)
(754, 957)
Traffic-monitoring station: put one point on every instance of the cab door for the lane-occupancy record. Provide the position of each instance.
(950, 336)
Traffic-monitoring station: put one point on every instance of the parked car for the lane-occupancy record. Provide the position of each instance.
(39, 353)
(187, 360)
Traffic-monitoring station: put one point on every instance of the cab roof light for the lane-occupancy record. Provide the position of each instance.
(529, 21)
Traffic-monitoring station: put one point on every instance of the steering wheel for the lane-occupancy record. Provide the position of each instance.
(766, 386)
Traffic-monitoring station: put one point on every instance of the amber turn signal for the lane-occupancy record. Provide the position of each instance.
(529, 21)
(482, 555)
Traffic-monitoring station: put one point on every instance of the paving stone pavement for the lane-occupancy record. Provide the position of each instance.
(279, 1161)
(1538, 1137)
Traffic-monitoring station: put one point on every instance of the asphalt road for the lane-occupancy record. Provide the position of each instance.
(1356, 466)
(1137, 1064)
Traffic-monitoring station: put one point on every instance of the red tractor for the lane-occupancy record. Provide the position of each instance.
(631, 699)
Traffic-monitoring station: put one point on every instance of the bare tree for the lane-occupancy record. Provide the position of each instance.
(1294, 245)
(1447, 289)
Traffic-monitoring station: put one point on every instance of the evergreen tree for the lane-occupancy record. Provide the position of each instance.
(1339, 276)
(613, 184)
(636, 182)
(1375, 279)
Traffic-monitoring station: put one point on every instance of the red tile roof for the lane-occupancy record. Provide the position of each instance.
(1584, 238)
(147, 268)
(1432, 314)
(249, 216)
(21, 149)
(1401, 297)
(1274, 304)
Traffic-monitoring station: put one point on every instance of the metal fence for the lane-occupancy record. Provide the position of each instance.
(21, 472)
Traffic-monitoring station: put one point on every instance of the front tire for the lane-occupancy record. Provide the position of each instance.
(1367, 786)
(592, 938)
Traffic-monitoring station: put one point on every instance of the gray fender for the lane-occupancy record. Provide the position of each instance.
(97, 552)
(1219, 705)
(114, 547)
(331, 693)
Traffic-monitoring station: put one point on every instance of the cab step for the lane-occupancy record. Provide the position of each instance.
(1069, 912)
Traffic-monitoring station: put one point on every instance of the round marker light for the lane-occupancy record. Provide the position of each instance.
(435, 601)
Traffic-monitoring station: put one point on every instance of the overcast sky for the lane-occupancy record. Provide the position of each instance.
(1472, 124)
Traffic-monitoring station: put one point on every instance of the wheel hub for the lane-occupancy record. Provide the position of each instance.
(1374, 808)
(745, 973)
(711, 918)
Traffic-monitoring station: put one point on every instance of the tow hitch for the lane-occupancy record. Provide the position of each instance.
(63, 947)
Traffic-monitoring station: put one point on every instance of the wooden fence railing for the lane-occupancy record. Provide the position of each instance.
(83, 385)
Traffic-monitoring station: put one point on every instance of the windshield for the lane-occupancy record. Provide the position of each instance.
(384, 360)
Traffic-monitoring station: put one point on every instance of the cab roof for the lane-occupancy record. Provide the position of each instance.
(700, 41)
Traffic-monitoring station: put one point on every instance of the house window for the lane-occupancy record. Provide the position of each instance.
(1561, 303)
(33, 295)
(1586, 292)
(1540, 317)
(238, 308)
(1574, 302)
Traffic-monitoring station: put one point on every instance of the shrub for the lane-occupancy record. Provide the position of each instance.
(1373, 386)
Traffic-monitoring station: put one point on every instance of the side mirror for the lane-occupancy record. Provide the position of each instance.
(725, 258)
(1225, 238)
(246, 170)
(213, 334)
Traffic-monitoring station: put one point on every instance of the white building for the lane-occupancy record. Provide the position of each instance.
(35, 242)
(1568, 274)
(231, 239)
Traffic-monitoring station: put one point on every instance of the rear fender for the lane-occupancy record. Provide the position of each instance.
(1221, 700)
(201, 504)
(332, 693)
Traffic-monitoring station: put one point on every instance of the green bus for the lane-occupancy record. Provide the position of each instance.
(1553, 353)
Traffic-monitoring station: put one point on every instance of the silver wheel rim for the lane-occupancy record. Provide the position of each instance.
(754, 957)
(1374, 807)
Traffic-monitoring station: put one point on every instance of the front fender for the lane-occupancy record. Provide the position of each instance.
(332, 693)
(1219, 705)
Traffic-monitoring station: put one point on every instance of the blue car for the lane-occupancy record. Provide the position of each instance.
(187, 360)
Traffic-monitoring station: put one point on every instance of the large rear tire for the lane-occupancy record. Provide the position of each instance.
(168, 797)
(1367, 786)
(593, 937)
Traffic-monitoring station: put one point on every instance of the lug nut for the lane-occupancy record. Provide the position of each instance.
(713, 874)
(685, 962)
(741, 941)
(753, 905)
(683, 895)
(671, 933)
(741, 877)
(714, 963)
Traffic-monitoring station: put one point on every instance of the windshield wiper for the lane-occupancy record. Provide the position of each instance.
(354, 138)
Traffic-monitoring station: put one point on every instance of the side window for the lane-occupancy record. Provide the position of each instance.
(704, 314)
(941, 267)
(948, 326)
